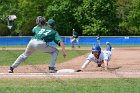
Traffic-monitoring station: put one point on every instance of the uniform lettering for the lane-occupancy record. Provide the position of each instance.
(44, 31)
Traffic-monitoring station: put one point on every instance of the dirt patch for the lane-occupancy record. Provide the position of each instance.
(124, 63)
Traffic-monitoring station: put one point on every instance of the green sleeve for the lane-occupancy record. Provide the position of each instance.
(57, 39)
(33, 30)
(76, 34)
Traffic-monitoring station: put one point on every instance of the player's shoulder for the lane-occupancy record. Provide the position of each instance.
(102, 52)
(35, 27)
(90, 55)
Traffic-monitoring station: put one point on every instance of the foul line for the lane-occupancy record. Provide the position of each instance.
(72, 75)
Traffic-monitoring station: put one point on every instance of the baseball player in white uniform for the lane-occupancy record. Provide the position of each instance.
(98, 56)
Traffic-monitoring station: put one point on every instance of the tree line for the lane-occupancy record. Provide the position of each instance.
(87, 17)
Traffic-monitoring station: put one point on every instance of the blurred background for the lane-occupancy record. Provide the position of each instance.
(87, 17)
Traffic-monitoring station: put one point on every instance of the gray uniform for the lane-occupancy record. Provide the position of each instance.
(40, 41)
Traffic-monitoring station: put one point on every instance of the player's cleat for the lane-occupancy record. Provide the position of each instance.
(52, 70)
(11, 70)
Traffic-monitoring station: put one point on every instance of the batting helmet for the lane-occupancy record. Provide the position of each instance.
(96, 48)
(40, 20)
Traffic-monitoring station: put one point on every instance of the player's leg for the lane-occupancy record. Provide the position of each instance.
(107, 58)
(54, 54)
(28, 51)
(53, 51)
(72, 41)
(77, 40)
(106, 64)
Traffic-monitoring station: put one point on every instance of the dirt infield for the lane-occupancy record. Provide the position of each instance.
(124, 64)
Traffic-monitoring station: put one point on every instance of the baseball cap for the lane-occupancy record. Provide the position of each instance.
(51, 22)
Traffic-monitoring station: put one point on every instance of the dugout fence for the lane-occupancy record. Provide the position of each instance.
(84, 40)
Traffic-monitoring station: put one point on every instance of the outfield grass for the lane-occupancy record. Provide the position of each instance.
(70, 86)
(9, 56)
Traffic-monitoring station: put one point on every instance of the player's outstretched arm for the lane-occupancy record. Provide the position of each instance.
(85, 64)
(63, 49)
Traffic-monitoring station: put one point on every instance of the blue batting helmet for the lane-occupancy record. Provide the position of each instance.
(96, 48)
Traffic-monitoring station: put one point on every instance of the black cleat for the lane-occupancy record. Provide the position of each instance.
(11, 70)
(52, 70)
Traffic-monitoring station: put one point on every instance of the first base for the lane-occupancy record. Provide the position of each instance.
(66, 71)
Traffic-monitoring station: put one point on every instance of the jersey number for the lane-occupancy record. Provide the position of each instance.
(42, 31)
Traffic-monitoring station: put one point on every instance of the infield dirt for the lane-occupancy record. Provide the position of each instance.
(124, 64)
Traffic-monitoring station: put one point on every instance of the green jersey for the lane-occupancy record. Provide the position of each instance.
(75, 34)
(47, 34)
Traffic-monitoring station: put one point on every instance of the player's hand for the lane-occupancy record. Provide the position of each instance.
(106, 68)
(64, 54)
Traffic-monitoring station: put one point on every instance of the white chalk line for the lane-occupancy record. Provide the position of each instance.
(73, 75)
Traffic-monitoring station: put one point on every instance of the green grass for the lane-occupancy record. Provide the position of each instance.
(9, 56)
(70, 86)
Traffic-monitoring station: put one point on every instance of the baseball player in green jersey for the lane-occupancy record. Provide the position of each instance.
(40, 41)
(75, 38)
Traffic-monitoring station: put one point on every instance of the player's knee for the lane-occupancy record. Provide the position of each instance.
(23, 56)
(57, 51)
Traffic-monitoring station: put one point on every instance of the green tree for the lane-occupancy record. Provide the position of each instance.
(28, 11)
(88, 17)
(122, 13)
(133, 17)
(4, 31)
(98, 17)
(63, 12)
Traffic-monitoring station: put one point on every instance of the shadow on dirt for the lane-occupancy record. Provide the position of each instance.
(114, 68)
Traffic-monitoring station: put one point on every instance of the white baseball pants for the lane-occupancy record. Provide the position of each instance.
(37, 45)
